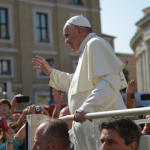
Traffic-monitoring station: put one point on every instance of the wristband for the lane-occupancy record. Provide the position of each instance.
(10, 143)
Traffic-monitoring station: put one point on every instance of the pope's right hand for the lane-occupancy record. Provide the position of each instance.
(42, 64)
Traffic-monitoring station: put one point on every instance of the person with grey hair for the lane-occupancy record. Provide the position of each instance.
(52, 134)
(121, 133)
(95, 85)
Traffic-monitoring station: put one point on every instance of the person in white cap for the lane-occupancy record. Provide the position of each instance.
(95, 85)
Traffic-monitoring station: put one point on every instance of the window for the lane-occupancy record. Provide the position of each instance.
(40, 74)
(41, 98)
(3, 24)
(76, 2)
(5, 67)
(42, 27)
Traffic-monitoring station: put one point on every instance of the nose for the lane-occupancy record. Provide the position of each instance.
(105, 146)
(4, 108)
(67, 41)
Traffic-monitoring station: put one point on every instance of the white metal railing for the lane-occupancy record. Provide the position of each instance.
(115, 113)
(142, 121)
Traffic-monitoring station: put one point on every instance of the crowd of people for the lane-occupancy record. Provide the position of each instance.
(54, 134)
(14, 139)
(94, 87)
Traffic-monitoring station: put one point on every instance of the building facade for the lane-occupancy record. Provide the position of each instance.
(130, 65)
(140, 44)
(33, 27)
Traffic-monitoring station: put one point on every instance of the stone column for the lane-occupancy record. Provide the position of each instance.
(148, 64)
(144, 83)
(140, 73)
(137, 73)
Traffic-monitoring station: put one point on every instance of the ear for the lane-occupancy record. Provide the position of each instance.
(132, 146)
(79, 30)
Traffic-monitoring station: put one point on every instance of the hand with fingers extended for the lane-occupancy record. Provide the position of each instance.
(58, 98)
(42, 64)
(79, 116)
(131, 88)
(130, 94)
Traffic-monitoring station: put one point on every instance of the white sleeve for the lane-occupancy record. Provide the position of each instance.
(101, 98)
(60, 80)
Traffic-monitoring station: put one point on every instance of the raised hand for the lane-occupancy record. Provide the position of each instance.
(42, 64)
(131, 87)
(57, 97)
(14, 103)
(14, 100)
(10, 135)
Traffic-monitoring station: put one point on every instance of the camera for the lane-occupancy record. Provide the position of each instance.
(37, 109)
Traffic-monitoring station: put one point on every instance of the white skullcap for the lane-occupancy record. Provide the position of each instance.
(79, 21)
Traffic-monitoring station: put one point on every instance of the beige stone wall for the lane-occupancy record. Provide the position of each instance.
(109, 39)
(130, 64)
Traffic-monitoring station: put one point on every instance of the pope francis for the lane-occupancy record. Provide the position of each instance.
(95, 85)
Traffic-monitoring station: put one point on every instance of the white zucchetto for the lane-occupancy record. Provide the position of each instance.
(79, 21)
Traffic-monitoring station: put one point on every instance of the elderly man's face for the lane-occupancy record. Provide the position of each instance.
(111, 140)
(71, 35)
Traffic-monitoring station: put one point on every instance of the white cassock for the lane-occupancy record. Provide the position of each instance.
(93, 88)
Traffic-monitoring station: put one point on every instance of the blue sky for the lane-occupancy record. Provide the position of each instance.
(118, 18)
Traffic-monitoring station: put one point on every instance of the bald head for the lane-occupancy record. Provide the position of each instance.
(40, 141)
(54, 130)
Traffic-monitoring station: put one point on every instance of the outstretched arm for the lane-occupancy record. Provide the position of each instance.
(58, 80)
